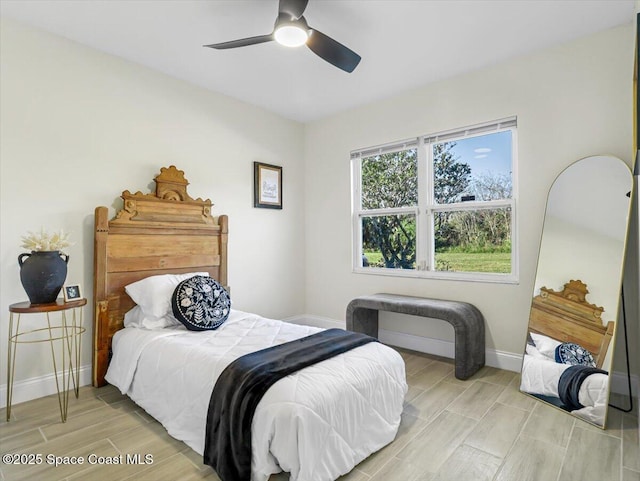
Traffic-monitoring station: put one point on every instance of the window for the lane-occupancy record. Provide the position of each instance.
(441, 205)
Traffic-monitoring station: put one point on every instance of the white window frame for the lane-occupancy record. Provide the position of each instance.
(427, 207)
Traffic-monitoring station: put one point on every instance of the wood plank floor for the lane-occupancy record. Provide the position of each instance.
(481, 429)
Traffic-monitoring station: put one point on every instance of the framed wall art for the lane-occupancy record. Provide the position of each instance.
(267, 186)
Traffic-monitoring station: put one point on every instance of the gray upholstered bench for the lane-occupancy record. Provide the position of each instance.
(466, 319)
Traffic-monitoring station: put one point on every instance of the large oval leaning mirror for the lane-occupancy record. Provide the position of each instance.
(568, 353)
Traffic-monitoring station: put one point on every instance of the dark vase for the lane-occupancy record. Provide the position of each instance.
(42, 274)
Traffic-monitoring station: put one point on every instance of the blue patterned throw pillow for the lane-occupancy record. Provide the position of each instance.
(574, 354)
(200, 303)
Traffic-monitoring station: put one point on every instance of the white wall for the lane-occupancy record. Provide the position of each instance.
(598, 259)
(78, 127)
(571, 101)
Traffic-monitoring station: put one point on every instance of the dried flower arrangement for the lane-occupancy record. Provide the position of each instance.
(43, 241)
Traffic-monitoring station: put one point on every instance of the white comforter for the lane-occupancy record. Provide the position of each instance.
(316, 424)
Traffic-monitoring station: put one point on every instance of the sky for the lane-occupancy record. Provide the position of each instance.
(486, 153)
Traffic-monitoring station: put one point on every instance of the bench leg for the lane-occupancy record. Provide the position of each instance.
(470, 352)
(363, 320)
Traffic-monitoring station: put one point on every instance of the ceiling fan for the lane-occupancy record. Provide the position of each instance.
(291, 29)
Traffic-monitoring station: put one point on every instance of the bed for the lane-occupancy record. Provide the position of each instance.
(316, 424)
(567, 337)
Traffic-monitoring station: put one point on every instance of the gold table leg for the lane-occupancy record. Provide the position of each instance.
(70, 338)
(11, 361)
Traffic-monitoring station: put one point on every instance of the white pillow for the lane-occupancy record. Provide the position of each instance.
(530, 350)
(153, 294)
(136, 318)
(545, 345)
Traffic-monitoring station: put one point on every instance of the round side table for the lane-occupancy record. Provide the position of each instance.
(69, 332)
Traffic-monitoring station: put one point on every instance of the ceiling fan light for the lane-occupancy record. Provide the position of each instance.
(291, 35)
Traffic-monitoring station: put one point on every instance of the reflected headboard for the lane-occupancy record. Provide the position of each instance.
(566, 316)
(157, 233)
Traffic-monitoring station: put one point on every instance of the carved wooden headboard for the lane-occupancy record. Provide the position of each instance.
(157, 233)
(567, 316)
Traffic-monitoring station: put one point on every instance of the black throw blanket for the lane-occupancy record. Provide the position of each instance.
(242, 384)
(570, 382)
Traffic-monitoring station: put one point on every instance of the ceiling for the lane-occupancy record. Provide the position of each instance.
(403, 44)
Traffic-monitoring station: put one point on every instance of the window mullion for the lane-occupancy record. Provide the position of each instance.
(356, 173)
(421, 221)
(489, 204)
(429, 239)
(387, 211)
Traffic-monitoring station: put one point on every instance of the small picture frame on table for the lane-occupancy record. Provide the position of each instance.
(72, 292)
(267, 186)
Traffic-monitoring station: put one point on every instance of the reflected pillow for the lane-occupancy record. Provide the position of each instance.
(153, 294)
(574, 354)
(533, 352)
(201, 303)
(545, 345)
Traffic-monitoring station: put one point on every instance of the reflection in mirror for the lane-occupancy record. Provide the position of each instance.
(568, 353)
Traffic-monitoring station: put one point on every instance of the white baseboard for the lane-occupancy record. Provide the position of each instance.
(620, 384)
(36, 387)
(33, 388)
(499, 359)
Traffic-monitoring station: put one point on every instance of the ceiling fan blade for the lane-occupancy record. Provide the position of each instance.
(243, 42)
(332, 51)
(294, 8)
